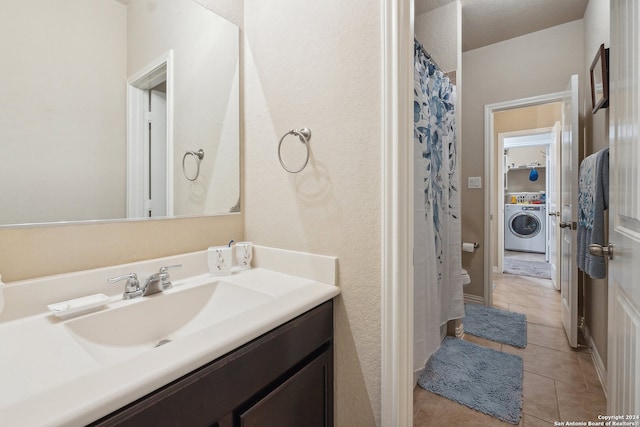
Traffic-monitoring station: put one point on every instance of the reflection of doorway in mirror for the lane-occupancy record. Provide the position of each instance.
(156, 153)
(150, 140)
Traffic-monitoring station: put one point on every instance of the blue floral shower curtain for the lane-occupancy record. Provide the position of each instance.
(437, 266)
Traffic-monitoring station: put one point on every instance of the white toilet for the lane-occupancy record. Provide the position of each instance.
(466, 279)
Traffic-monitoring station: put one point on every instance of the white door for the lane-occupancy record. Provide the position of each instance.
(623, 349)
(569, 214)
(553, 211)
(156, 186)
(150, 140)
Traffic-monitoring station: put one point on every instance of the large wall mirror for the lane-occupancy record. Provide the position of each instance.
(107, 107)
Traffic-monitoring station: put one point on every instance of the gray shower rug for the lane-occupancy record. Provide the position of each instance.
(527, 268)
(480, 378)
(505, 327)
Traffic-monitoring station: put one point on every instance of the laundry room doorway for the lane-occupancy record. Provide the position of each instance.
(527, 190)
(524, 187)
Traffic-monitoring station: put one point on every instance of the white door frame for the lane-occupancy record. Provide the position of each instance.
(502, 171)
(154, 73)
(490, 147)
(396, 394)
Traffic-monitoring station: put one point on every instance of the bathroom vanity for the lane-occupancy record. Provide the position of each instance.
(253, 348)
(284, 378)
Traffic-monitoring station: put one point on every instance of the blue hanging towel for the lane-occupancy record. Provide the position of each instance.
(593, 200)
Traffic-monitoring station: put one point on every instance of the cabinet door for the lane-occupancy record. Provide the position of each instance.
(305, 399)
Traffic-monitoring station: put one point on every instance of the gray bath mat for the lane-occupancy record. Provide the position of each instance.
(527, 268)
(496, 325)
(480, 378)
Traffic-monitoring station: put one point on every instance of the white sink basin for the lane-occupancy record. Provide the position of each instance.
(143, 324)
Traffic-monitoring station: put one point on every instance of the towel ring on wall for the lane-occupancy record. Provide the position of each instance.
(197, 155)
(304, 135)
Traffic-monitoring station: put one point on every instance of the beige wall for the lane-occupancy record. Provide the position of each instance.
(44, 250)
(535, 117)
(440, 32)
(531, 65)
(596, 31)
(524, 156)
(232, 10)
(317, 65)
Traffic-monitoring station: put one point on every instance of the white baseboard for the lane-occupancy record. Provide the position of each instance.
(601, 369)
(496, 270)
(416, 376)
(473, 299)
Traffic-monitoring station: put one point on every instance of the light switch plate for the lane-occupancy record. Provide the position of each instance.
(474, 182)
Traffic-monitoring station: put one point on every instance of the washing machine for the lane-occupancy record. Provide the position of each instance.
(524, 228)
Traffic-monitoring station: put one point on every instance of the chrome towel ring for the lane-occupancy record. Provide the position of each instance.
(198, 156)
(304, 135)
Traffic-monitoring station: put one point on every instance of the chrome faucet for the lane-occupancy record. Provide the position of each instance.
(132, 287)
(159, 281)
(155, 283)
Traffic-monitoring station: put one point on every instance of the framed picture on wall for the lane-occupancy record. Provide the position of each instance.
(599, 73)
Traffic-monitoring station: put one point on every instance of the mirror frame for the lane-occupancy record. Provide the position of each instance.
(601, 61)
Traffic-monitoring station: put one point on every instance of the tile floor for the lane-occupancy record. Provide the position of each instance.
(560, 384)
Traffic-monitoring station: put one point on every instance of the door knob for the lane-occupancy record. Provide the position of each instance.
(553, 213)
(565, 225)
(598, 250)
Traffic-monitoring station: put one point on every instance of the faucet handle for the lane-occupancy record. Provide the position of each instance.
(132, 287)
(170, 267)
(164, 275)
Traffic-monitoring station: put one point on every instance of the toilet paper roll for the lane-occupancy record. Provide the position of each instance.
(468, 247)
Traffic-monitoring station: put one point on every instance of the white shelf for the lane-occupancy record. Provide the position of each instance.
(524, 168)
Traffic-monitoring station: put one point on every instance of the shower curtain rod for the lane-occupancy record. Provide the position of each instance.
(427, 54)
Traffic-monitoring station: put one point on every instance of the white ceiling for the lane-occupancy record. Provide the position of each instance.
(486, 22)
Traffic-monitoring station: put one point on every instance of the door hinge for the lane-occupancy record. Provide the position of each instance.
(148, 116)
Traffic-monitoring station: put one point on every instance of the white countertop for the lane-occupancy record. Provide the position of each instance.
(48, 379)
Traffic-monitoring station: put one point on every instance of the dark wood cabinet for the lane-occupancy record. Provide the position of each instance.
(283, 378)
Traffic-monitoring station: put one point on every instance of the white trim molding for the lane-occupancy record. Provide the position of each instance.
(475, 299)
(157, 71)
(396, 398)
(601, 368)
